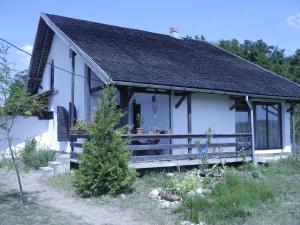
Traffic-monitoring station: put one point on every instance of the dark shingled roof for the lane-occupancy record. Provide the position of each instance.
(143, 57)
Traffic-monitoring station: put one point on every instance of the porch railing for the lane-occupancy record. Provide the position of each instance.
(148, 147)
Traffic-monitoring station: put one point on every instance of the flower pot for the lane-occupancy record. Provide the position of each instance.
(140, 130)
(202, 174)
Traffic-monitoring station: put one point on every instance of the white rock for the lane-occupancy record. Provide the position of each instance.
(123, 196)
(164, 204)
(199, 190)
(154, 193)
(174, 204)
(206, 191)
(185, 223)
(191, 193)
(170, 174)
(190, 223)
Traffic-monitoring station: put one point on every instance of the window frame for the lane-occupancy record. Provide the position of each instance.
(267, 124)
(242, 107)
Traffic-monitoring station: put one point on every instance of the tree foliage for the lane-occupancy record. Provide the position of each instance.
(104, 162)
(269, 57)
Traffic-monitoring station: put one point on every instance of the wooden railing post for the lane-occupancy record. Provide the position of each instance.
(189, 118)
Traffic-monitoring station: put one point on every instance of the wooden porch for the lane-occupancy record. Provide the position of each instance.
(148, 152)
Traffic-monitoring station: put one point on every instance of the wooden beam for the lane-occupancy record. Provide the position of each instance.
(178, 163)
(96, 89)
(293, 104)
(237, 100)
(76, 134)
(189, 118)
(180, 101)
(180, 93)
(72, 113)
(180, 146)
(170, 118)
(185, 156)
(293, 132)
(125, 97)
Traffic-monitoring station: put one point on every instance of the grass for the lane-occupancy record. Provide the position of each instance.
(264, 194)
(12, 212)
(136, 199)
(230, 199)
(62, 182)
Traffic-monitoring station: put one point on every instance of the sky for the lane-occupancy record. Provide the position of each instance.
(277, 22)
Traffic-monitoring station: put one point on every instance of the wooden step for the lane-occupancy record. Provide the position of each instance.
(47, 171)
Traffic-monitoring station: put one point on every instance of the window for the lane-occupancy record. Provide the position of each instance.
(94, 82)
(242, 121)
(268, 126)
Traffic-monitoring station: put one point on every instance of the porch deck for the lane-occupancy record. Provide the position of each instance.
(180, 149)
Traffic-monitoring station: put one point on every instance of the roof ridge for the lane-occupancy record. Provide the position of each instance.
(114, 26)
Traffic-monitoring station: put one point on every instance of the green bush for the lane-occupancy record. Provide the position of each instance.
(189, 183)
(230, 199)
(104, 162)
(34, 157)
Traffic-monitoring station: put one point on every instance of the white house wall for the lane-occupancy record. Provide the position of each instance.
(213, 112)
(150, 121)
(26, 128)
(208, 111)
(179, 122)
(60, 53)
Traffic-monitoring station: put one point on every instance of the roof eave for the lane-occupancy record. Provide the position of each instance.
(88, 60)
(200, 90)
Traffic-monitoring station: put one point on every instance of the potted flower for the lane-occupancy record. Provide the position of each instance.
(158, 131)
(81, 127)
(140, 121)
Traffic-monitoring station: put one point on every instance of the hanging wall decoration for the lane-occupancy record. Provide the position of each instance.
(154, 105)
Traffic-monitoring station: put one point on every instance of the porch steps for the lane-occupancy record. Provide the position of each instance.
(59, 166)
(47, 171)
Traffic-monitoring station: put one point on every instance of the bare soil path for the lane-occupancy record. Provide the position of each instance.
(85, 210)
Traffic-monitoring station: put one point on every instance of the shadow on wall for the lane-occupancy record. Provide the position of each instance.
(25, 128)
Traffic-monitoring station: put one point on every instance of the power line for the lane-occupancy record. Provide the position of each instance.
(62, 69)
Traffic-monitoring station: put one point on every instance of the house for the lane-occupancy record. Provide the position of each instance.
(180, 86)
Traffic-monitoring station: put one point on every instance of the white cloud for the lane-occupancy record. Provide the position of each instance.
(25, 58)
(294, 20)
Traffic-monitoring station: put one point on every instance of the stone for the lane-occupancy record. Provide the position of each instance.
(199, 190)
(190, 223)
(191, 193)
(123, 196)
(154, 193)
(164, 204)
(170, 174)
(206, 191)
(169, 197)
(47, 171)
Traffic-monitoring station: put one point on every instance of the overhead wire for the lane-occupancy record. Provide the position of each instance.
(60, 68)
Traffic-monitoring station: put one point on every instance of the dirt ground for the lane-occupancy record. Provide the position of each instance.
(88, 213)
